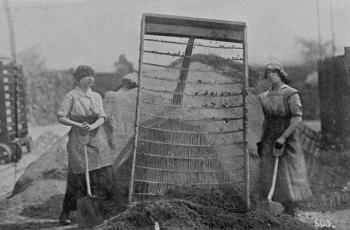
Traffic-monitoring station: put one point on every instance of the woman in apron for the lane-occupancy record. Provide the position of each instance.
(283, 112)
(82, 109)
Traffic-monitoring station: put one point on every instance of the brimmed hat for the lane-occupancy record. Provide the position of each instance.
(83, 71)
(278, 67)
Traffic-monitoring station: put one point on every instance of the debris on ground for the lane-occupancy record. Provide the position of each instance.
(214, 209)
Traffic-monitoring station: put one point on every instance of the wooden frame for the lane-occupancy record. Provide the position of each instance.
(13, 116)
(199, 28)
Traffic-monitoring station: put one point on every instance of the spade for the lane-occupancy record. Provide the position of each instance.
(89, 207)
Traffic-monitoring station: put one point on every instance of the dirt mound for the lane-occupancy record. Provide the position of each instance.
(182, 209)
(51, 165)
(226, 198)
(39, 193)
(44, 142)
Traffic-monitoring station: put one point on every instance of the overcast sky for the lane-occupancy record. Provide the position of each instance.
(95, 32)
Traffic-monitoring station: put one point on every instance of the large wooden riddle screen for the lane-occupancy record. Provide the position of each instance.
(191, 122)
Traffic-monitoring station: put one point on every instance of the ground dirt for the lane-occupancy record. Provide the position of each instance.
(336, 219)
(43, 139)
(21, 211)
(194, 208)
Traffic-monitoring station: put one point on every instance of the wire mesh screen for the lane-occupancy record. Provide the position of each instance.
(190, 128)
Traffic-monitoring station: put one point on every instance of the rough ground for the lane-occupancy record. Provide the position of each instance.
(40, 145)
(193, 208)
(338, 219)
(14, 212)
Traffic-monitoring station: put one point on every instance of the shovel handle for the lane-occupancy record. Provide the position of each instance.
(87, 177)
(272, 189)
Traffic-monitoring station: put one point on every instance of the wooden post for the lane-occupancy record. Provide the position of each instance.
(137, 114)
(245, 119)
(347, 55)
(180, 87)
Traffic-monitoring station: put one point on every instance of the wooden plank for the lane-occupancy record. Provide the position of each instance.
(199, 33)
(201, 28)
(194, 22)
(137, 113)
(180, 87)
(245, 123)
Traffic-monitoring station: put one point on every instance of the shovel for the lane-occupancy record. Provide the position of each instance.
(273, 207)
(89, 207)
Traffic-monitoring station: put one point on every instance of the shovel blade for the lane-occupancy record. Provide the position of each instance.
(274, 208)
(89, 212)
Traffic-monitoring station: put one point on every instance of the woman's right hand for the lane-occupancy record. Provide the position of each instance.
(86, 127)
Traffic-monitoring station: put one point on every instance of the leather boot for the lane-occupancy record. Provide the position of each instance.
(64, 219)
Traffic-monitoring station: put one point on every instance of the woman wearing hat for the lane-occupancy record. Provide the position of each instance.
(283, 112)
(82, 109)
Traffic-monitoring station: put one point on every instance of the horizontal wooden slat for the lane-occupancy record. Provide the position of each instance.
(220, 119)
(193, 145)
(164, 25)
(165, 182)
(189, 158)
(191, 132)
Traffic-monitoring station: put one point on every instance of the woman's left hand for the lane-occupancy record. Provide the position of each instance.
(92, 127)
(281, 140)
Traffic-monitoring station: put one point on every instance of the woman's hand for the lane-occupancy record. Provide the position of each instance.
(98, 123)
(281, 140)
(86, 127)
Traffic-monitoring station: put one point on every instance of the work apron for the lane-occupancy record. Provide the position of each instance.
(98, 151)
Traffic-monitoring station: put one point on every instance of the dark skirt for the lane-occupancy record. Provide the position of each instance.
(102, 183)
